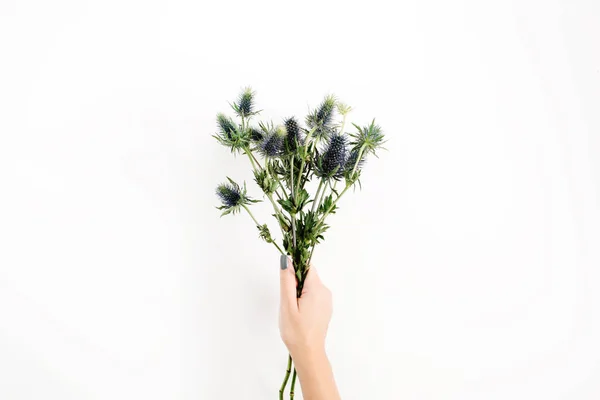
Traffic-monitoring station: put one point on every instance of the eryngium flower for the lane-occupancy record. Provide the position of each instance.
(255, 134)
(331, 163)
(369, 138)
(230, 194)
(244, 105)
(321, 119)
(230, 135)
(226, 126)
(273, 144)
(232, 197)
(293, 138)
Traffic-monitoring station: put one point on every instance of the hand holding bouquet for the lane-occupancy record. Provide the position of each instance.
(287, 160)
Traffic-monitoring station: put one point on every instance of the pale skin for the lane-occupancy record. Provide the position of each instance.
(303, 325)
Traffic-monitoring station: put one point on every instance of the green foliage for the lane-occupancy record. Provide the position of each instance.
(292, 155)
(294, 205)
(265, 233)
(327, 205)
(264, 181)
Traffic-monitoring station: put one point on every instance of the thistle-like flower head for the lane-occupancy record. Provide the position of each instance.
(256, 135)
(273, 142)
(232, 197)
(229, 194)
(369, 138)
(332, 161)
(244, 105)
(293, 137)
(226, 126)
(321, 119)
(343, 108)
(230, 134)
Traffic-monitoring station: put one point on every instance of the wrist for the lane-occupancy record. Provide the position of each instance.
(309, 356)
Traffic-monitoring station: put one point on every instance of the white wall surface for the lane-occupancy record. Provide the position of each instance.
(468, 267)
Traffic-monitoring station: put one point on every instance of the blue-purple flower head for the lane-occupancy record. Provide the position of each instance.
(231, 135)
(293, 137)
(273, 142)
(232, 197)
(244, 104)
(229, 194)
(256, 135)
(332, 161)
(227, 127)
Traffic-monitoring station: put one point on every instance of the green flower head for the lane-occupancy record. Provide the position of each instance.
(368, 138)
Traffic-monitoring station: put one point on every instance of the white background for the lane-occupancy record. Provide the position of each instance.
(468, 267)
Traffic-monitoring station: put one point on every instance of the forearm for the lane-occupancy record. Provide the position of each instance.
(316, 375)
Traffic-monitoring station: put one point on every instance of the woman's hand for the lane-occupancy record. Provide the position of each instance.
(303, 324)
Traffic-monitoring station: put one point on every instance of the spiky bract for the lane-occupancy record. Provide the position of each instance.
(370, 138)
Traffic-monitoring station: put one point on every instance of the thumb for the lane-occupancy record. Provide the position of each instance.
(287, 282)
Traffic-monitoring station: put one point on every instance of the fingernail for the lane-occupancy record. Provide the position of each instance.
(283, 261)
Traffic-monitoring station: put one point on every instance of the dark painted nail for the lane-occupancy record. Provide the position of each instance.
(283, 261)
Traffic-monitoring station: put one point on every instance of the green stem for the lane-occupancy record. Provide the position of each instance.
(343, 124)
(256, 160)
(360, 153)
(278, 248)
(269, 196)
(299, 175)
(332, 205)
(286, 378)
(259, 225)
(334, 186)
(251, 215)
(314, 207)
(278, 196)
(306, 140)
(311, 253)
(293, 215)
(251, 157)
(277, 210)
(293, 385)
(274, 176)
(323, 192)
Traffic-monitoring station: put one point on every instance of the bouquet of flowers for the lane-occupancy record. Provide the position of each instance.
(287, 160)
